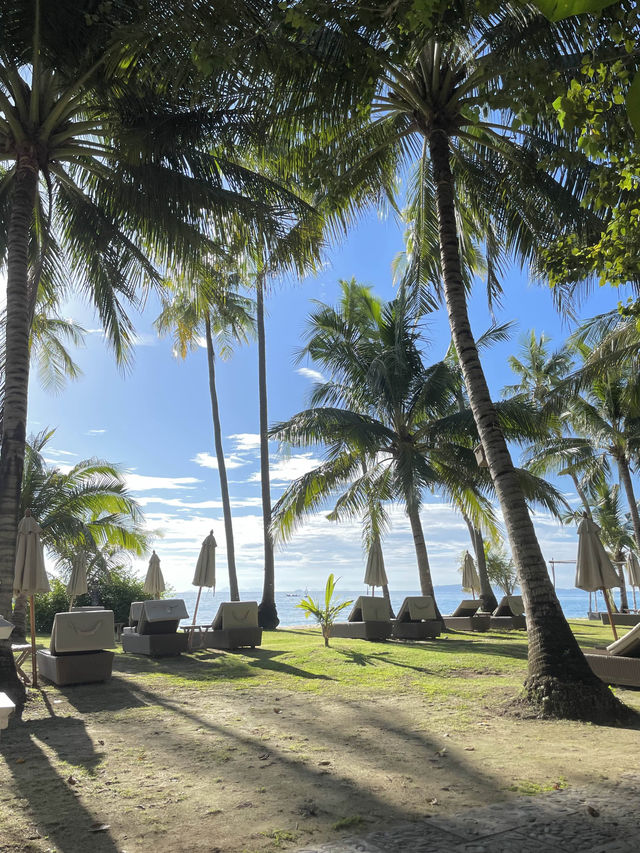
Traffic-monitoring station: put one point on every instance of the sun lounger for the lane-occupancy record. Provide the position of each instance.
(627, 620)
(153, 628)
(416, 619)
(619, 663)
(235, 625)
(368, 620)
(77, 652)
(509, 614)
(466, 617)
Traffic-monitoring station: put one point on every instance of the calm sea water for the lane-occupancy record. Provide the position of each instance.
(575, 602)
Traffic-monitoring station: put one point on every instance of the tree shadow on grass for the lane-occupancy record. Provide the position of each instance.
(373, 658)
(52, 802)
(265, 659)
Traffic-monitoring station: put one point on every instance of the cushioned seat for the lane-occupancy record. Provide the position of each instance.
(509, 614)
(368, 620)
(619, 663)
(153, 628)
(77, 652)
(416, 619)
(466, 617)
(234, 625)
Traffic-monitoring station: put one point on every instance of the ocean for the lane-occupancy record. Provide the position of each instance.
(575, 602)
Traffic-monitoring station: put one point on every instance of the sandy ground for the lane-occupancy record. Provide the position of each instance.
(148, 765)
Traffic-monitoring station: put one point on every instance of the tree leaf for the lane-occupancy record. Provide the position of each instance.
(633, 104)
(556, 10)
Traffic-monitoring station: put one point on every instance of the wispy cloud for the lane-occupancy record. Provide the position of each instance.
(286, 470)
(95, 432)
(246, 440)
(313, 375)
(144, 482)
(144, 339)
(94, 331)
(55, 452)
(207, 460)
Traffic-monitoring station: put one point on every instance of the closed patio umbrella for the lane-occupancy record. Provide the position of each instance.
(375, 574)
(633, 572)
(78, 581)
(154, 582)
(470, 579)
(594, 569)
(205, 574)
(30, 576)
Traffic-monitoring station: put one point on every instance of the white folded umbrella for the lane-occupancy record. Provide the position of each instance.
(154, 582)
(30, 577)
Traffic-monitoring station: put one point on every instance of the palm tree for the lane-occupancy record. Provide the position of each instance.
(206, 303)
(442, 92)
(376, 414)
(86, 507)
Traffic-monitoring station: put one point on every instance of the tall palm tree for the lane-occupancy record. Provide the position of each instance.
(86, 507)
(206, 303)
(443, 91)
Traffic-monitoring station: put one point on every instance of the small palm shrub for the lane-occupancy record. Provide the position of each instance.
(325, 615)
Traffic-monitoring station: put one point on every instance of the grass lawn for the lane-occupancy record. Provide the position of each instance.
(289, 744)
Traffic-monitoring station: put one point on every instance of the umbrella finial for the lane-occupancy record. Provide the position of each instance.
(211, 532)
(27, 513)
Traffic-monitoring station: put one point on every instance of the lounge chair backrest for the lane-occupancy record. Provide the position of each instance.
(370, 609)
(416, 608)
(627, 646)
(467, 607)
(161, 616)
(82, 631)
(73, 609)
(236, 614)
(510, 605)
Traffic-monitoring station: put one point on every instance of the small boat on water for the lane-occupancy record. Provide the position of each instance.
(298, 593)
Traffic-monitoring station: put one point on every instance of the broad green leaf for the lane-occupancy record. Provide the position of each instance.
(556, 10)
(633, 104)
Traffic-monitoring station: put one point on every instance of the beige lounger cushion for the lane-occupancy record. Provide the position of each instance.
(163, 610)
(236, 614)
(467, 607)
(627, 646)
(510, 605)
(370, 609)
(82, 631)
(416, 608)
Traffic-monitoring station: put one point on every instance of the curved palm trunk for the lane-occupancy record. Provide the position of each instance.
(625, 476)
(581, 493)
(560, 682)
(488, 600)
(387, 598)
(222, 468)
(19, 618)
(16, 387)
(424, 570)
(267, 611)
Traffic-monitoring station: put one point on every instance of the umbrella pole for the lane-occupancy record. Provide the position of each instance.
(633, 590)
(73, 598)
(195, 614)
(608, 604)
(34, 668)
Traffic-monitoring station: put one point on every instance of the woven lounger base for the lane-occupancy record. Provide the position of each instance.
(75, 668)
(508, 623)
(467, 623)
(154, 645)
(228, 638)
(362, 630)
(627, 619)
(614, 669)
(428, 629)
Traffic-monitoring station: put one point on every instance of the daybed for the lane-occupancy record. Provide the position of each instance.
(153, 628)
(235, 625)
(368, 620)
(619, 663)
(416, 619)
(466, 617)
(509, 614)
(77, 652)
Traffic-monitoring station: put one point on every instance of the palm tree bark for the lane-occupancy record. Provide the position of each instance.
(19, 618)
(581, 493)
(424, 570)
(222, 468)
(267, 611)
(387, 598)
(560, 682)
(16, 387)
(488, 600)
(625, 476)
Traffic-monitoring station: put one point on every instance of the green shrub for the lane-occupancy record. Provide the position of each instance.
(115, 592)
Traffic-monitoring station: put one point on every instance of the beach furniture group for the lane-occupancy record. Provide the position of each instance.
(508, 616)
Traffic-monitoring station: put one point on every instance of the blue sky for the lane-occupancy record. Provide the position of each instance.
(155, 420)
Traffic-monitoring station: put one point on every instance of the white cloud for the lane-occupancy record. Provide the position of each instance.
(60, 452)
(94, 331)
(143, 482)
(246, 440)
(95, 432)
(144, 339)
(313, 375)
(236, 503)
(202, 342)
(206, 460)
(286, 470)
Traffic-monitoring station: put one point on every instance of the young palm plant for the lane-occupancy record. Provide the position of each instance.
(208, 303)
(324, 614)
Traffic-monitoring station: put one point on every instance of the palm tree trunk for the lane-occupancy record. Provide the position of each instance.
(488, 601)
(560, 681)
(267, 611)
(16, 388)
(387, 598)
(222, 468)
(581, 493)
(424, 571)
(625, 476)
(619, 567)
(19, 618)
